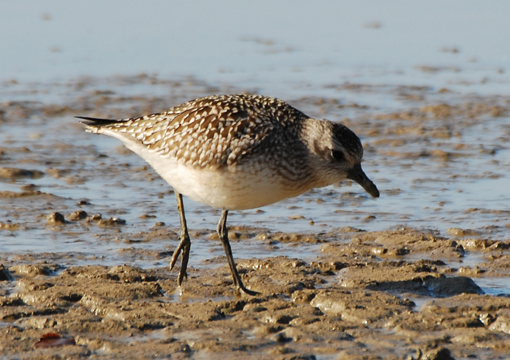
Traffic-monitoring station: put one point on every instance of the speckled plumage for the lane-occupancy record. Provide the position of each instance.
(240, 151)
(214, 131)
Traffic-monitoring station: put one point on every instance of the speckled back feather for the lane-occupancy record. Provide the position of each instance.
(214, 131)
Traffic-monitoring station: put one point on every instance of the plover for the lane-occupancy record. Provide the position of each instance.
(235, 152)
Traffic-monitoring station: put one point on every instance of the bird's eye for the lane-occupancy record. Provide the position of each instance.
(338, 155)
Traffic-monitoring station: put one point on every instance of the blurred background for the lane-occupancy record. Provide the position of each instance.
(266, 45)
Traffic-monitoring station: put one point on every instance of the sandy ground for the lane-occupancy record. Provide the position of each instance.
(401, 293)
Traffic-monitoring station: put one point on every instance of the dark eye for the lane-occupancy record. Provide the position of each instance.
(338, 155)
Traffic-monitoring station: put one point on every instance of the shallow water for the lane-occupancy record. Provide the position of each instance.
(466, 190)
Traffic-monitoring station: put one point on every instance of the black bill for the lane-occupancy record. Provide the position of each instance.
(357, 174)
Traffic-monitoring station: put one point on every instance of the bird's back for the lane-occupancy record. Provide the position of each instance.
(213, 131)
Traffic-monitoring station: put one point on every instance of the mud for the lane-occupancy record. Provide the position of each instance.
(89, 262)
(360, 299)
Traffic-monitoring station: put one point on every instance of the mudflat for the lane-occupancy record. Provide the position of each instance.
(85, 269)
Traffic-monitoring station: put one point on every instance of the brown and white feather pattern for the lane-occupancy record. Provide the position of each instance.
(215, 131)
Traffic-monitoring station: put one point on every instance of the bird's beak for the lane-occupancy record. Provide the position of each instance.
(357, 174)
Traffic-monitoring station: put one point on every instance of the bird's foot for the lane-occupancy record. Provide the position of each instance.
(184, 248)
(240, 290)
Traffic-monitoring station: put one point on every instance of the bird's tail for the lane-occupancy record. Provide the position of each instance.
(94, 124)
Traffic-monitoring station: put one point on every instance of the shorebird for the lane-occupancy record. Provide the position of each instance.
(235, 152)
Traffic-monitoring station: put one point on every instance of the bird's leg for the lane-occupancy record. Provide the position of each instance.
(223, 234)
(184, 244)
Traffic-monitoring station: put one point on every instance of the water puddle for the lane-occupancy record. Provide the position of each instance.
(179, 296)
(494, 286)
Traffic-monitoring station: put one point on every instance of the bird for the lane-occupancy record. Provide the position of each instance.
(236, 152)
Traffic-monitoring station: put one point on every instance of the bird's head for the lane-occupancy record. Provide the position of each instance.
(340, 153)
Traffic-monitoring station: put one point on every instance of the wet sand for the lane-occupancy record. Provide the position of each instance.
(361, 299)
(408, 292)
